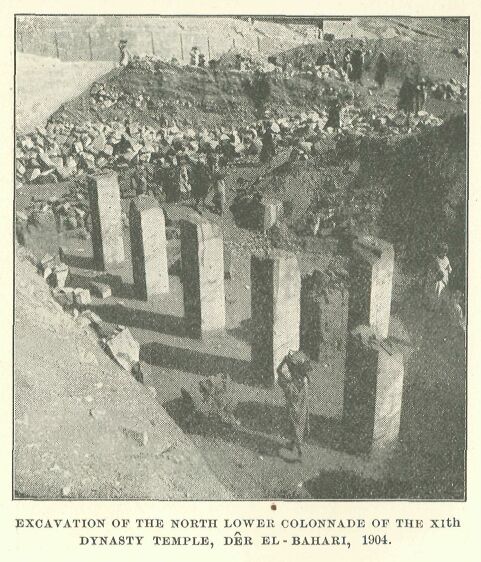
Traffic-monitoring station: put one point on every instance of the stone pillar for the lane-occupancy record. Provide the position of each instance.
(372, 392)
(324, 315)
(148, 248)
(202, 255)
(275, 311)
(372, 266)
(105, 211)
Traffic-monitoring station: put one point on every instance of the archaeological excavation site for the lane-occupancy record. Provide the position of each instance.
(240, 258)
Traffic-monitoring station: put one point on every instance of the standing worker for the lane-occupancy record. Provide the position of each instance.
(357, 61)
(421, 94)
(438, 274)
(382, 68)
(268, 146)
(407, 95)
(124, 53)
(293, 378)
(334, 114)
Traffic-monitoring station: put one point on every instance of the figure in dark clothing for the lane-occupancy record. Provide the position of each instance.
(357, 61)
(331, 59)
(293, 378)
(201, 181)
(382, 68)
(268, 146)
(139, 181)
(322, 59)
(407, 95)
(334, 114)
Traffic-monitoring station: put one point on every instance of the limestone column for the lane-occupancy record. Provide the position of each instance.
(372, 392)
(371, 272)
(105, 210)
(275, 311)
(148, 248)
(202, 255)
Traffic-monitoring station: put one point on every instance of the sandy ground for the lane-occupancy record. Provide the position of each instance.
(42, 84)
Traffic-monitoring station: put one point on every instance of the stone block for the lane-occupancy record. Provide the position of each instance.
(82, 297)
(275, 311)
(100, 290)
(202, 255)
(59, 276)
(124, 349)
(371, 272)
(148, 248)
(46, 265)
(373, 391)
(105, 210)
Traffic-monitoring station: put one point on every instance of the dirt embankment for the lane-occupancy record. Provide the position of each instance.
(84, 428)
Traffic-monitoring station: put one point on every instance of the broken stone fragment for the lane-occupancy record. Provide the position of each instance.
(59, 275)
(82, 297)
(94, 318)
(101, 290)
(46, 262)
(124, 349)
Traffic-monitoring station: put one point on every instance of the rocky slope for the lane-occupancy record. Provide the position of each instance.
(84, 428)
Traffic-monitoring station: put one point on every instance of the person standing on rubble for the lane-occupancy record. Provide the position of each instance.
(293, 378)
(407, 95)
(331, 58)
(421, 94)
(124, 53)
(201, 181)
(357, 61)
(183, 180)
(346, 63)
(218, 178)
(334, 113)
(268, 150)
(382, 68)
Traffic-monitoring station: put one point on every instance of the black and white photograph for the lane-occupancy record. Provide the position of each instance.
(240, 257)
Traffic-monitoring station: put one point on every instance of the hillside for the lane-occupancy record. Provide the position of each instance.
(80, 420)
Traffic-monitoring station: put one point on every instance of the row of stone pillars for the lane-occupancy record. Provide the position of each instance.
(202, 253)
(373, 368)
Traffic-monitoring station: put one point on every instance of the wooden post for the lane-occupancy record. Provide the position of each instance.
(181, 47)
(56, 44)
(259, 44)
(152, 41)
(208, 47)
(90, 47)
(233, 42)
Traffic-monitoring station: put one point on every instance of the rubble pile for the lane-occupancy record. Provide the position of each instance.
(116, 340)
(106, 96)
(69, 212)
(60, 152)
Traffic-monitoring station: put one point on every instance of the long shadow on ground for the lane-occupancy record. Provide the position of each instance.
(145, 320)
(196, 362)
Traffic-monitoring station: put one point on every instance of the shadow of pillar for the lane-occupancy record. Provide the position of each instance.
(196, 362)
(142, 319)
